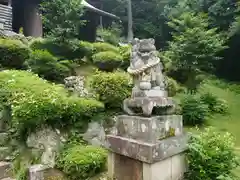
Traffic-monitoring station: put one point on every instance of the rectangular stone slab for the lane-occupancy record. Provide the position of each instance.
(149, 129)
(147, 152)
(125, 168)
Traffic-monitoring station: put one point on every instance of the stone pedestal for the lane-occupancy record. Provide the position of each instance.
(147, 148)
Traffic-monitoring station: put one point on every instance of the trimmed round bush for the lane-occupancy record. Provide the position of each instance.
(67, 50)
(82, 162)
(112, 88)
(13, 53)
(172, 87)
(107, 60)
(47, 66)
(194, 111)
(211, 155)
(35, 102)
(101, 47)
(86, 49)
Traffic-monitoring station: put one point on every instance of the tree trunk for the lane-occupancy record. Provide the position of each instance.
(130, 20)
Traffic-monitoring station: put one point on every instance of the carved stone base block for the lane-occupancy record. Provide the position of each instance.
(147, 148)
(124, 168)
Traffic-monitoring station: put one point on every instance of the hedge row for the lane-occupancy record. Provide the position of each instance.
(34, 102)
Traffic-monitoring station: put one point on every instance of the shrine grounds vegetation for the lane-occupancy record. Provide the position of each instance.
(33, 101)
(82, 162)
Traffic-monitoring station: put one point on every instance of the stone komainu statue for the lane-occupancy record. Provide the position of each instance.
(149, 82)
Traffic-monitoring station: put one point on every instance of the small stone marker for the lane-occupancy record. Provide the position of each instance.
(149, 142)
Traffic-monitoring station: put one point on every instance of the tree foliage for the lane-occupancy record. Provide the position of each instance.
(194, 47)
(61, 18)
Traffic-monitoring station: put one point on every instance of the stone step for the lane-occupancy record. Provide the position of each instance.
(4, 152)
(3, 138)
(5, 170)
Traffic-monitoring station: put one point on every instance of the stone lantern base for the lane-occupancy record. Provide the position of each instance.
(147, 148)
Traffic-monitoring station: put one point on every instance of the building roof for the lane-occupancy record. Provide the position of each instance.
(100, 12)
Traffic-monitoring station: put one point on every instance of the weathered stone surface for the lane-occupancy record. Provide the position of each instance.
(48, 140)
(148, 152)
(43, 172)
(95, 135)
(3, 138)
(147, 143)
(76, 85)
(179, 166)
(147, 105)
(149, 82)
(172, 168)
(5, 170)
(4, 152)
(124, 168)
(150, 129)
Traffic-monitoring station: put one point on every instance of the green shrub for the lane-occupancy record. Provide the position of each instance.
(34, 102)
(172, 87)
(108, 36)
(194, 111)
(47, 66)
(221, 107)
(215, 105)
(86, 49)
(100, 47)
(107, 60)
(13, 53)
(125, 52)
(211, 156)
(20, 37)
(82, 162)
(210, 100)
(67, 50)
(112, 88)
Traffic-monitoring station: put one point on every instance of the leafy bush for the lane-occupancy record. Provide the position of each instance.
(82, 162)
(112, 88)
(211, 156)
(66, 50)
(109, 35)
(13, 53)
(215, 105)
(221, 107)
(20, 37)
(34, 102)
(86, 48)
(107, 60)
(125, 52)
(172, 87)
(194, 111)
(210, 100)
(47, 66)
(100, 47)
